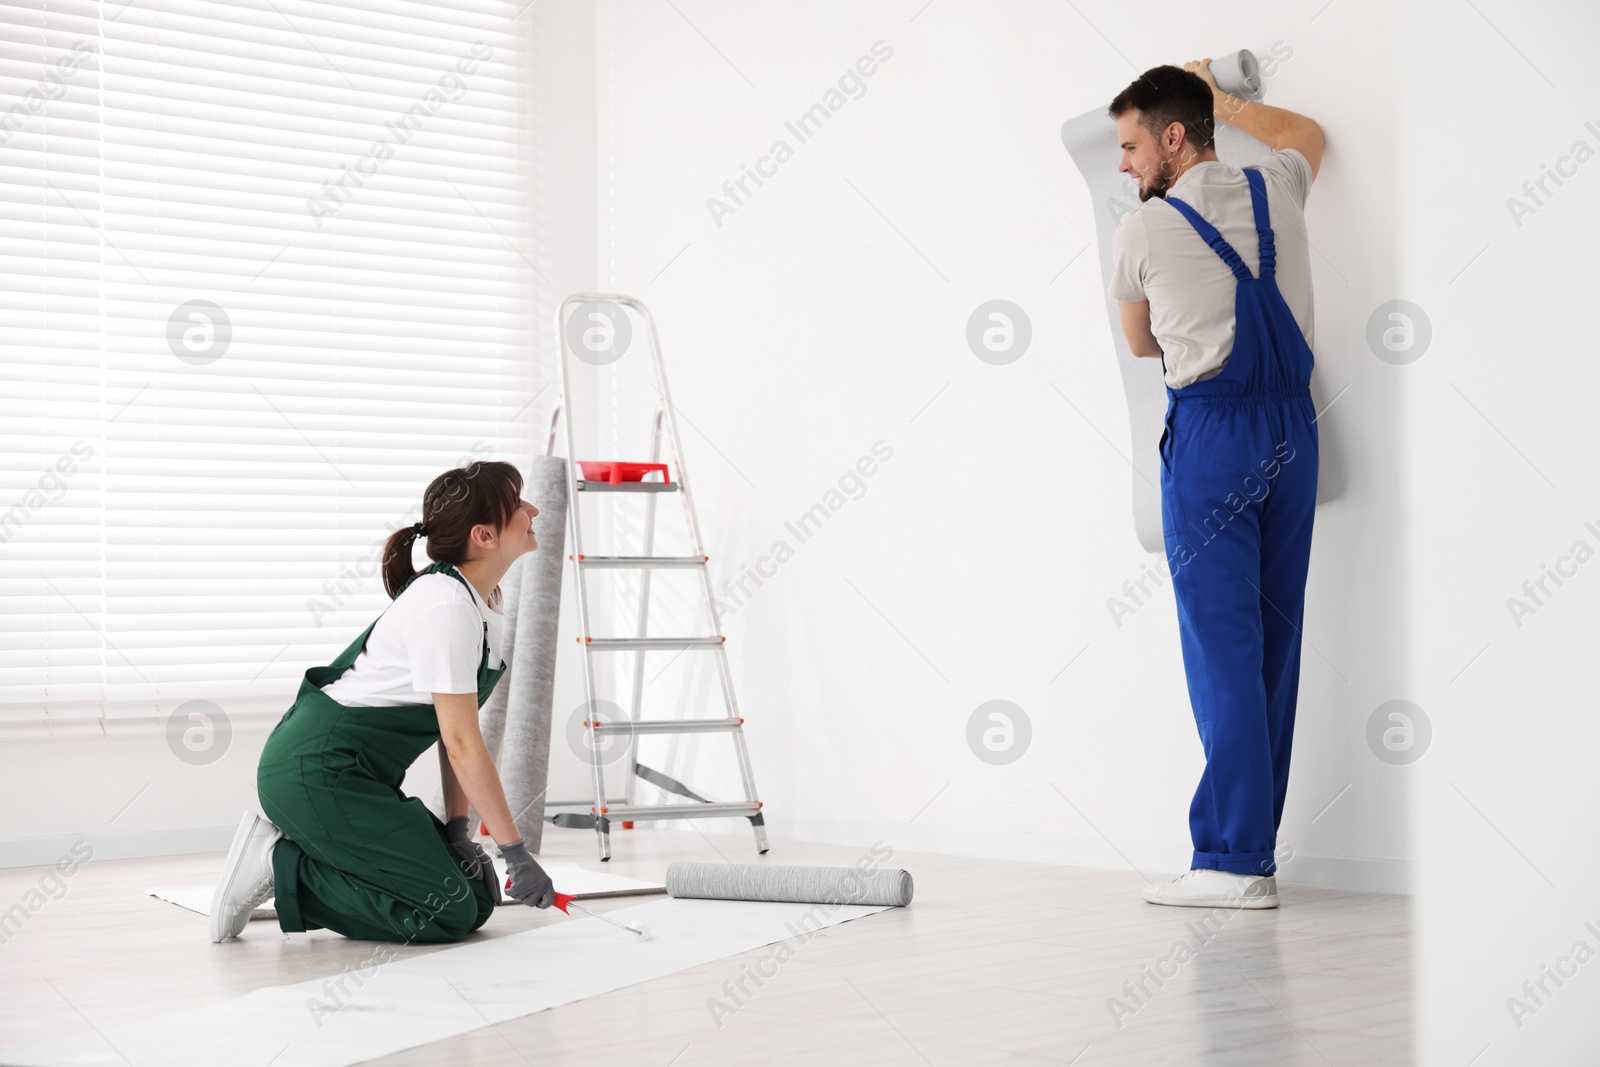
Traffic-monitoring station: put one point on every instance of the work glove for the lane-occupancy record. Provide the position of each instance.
(471, 855)
(529, 883)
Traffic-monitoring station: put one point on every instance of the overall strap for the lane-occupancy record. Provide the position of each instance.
(1258, 201)
(1209, 234)
(437, 567)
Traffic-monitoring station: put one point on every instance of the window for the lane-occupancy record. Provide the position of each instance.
(264, 274)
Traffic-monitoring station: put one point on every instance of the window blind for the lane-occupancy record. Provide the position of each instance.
(263, 267)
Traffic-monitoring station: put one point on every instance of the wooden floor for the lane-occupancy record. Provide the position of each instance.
(994, 962)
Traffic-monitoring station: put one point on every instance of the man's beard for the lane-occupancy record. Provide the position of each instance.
(1158, 185)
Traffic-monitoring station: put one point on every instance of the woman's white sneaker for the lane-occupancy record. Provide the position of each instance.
(1205, 888)
(247, 878)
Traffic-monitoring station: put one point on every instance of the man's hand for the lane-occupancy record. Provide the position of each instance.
(1224, 106)
(1276, 127)
(1202, 67)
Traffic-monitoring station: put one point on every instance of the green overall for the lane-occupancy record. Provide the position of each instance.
(359, 857)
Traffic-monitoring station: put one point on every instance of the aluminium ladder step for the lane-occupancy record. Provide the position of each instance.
(663, 726)
(591, 486)
(639, 561)
(624, 644)
(712, 810)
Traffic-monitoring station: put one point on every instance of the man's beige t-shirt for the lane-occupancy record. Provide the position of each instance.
(1157, 256)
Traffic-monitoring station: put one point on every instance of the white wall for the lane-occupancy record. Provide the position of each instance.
(1501, 482)
(829, 312)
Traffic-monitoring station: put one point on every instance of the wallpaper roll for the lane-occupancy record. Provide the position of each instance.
(1091, 140)
(515, 720)
(789, 884)
(1238, 74)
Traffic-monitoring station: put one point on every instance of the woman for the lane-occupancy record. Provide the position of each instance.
(354, 854)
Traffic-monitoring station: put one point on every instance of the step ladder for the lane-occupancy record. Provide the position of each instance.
(585, 477)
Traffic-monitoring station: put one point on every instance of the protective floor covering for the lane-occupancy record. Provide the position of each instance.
(384, 1007)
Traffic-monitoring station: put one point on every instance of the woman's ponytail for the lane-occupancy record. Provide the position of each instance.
(485, 492)
(397, 566)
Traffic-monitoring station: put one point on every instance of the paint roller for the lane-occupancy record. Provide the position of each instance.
(565, 901)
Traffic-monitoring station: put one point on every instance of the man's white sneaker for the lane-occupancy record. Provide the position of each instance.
(1205, 888)
(246, 878)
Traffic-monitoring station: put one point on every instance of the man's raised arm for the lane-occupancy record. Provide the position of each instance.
(1276, 127)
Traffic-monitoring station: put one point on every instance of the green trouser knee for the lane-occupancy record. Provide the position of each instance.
(362, 860)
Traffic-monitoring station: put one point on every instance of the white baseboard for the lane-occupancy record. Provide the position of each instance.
(118, 845)
(46, 728)
(1154, 858)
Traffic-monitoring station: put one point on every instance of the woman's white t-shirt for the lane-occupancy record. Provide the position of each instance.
(429, 640)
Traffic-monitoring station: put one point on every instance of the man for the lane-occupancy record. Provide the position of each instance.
(1213, 276)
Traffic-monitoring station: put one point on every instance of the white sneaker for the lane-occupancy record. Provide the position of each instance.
(246, 878)
(1205, 888)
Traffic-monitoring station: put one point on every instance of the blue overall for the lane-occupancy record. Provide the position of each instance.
(1238, 488)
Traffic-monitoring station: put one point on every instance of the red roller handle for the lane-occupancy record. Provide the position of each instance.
(562, 899)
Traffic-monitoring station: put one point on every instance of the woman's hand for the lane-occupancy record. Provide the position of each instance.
(472, 855)
(529, 883)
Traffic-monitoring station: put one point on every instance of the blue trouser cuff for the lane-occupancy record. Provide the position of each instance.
(1261, 863)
